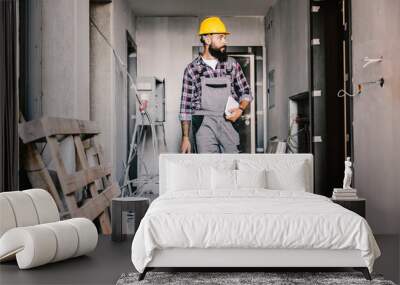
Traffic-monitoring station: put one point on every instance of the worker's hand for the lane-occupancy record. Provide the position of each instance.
(185, 145)
(235, 114)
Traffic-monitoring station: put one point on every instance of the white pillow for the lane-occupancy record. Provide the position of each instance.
(192, 173)
(281, 174)
(251, 178)
(223, 179)
(183, 177)
(293, 179)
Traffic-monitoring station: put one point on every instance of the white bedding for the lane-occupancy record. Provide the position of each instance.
(251, 218)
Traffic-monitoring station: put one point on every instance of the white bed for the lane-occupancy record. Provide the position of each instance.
(248, 226)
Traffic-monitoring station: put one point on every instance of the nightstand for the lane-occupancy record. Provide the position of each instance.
(126, 214)
(355, 205)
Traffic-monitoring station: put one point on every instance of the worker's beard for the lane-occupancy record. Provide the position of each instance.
(218, 54)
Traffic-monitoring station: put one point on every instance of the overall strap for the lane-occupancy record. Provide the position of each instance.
(229, 65)
(200, 69)
(229, 70)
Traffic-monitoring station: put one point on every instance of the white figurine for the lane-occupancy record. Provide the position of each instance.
(348, 173)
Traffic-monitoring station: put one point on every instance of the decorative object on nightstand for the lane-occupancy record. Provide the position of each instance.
(348, 174)
(357, 205)
(347, 192)
(126, 214)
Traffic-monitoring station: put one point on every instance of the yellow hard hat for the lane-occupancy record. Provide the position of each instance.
(212, 25)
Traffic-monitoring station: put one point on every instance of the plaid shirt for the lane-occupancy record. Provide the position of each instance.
(191, 87)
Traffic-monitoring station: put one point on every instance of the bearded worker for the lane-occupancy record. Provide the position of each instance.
(208, 82)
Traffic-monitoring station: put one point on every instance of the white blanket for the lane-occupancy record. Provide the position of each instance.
(253, 218)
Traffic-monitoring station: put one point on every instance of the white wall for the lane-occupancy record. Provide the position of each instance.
(287, 43)
(376, 33)
(165, 49)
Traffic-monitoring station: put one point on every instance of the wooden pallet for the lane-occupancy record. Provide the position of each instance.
(92, 175)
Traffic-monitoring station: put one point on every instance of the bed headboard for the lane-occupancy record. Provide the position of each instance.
(165, 158)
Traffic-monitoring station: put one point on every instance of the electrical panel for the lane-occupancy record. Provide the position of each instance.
(152, 89)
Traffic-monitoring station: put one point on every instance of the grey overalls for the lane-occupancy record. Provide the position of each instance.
(213, 133)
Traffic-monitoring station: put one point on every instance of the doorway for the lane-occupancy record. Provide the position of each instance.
(246, 123)
(131, 99)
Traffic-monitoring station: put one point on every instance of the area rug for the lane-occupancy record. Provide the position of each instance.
(243, 278)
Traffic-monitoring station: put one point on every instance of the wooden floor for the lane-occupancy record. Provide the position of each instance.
(111, 259)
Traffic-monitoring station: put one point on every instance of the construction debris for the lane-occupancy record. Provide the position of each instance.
(86, 189)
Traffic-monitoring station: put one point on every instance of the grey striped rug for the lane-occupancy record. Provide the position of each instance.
(243, 278)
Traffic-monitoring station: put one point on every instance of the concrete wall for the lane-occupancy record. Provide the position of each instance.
(108, 78)
(376, 113)
(124, 21)
(101, 74)
(73, 72)
(287, 43)
(33, 109)
(61, 63)
(165, 48)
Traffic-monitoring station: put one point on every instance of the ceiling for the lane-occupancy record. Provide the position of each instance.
(201, 7)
